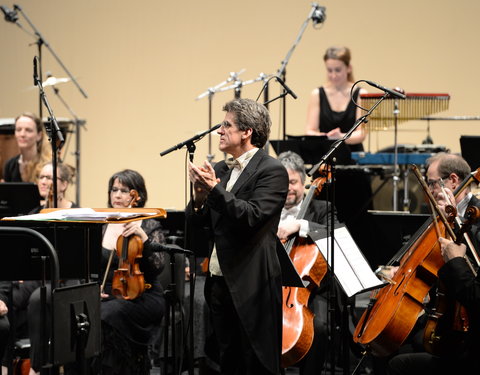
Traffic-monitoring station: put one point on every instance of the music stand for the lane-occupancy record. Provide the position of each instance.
(469, 144)
(311, 148)
(76, 324)
(18, 198)
(393, 229)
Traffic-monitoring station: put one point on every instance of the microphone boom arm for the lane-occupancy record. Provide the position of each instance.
(41, 40)
(190, 140)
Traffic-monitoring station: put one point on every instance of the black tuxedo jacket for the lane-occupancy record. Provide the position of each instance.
(243, 224)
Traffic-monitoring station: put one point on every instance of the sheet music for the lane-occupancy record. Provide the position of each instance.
(350, 266)
(81, 214)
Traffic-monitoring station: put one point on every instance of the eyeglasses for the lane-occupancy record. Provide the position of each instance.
(123, 191)
(431, 183)
(49, 178)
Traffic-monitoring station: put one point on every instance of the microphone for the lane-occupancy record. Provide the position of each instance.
(35, 71)
(174, 249)
(318, 15)
(10, 15)
(287, 89)
(393, 93)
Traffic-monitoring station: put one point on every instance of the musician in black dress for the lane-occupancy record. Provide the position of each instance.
(331, 113)
(330, 110)
(128, 326)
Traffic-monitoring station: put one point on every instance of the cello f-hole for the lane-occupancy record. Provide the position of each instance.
(399, 284)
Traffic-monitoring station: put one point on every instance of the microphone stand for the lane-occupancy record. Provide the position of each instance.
(281, 72)
(53, 131)
(211, 92)
(41, 41)
(396, 171)
(332, 295)
(78, 123)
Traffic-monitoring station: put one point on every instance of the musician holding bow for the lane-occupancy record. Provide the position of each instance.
(444, 174)
(128, 325)
(316, 216)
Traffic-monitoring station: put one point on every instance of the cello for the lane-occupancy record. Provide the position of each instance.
(297, 327)
(393, 310)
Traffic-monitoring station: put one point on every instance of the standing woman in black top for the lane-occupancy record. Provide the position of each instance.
(34, 150)
(330, 110)
(332, 113)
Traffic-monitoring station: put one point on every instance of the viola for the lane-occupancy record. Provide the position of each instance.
(128, 281)
(297, 327)
(448, 322)
(394, 309)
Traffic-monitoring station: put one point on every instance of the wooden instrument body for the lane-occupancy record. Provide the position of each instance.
(128, 281)
(397, 306)
(446, 326)
(297, 331)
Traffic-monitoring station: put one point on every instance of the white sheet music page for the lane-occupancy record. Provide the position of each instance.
(82, 214)
(350, 266)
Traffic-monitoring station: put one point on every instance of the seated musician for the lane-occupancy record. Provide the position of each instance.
(462, 284)
(23, 289)
(316, 215)
(128, 326)
(445, 173)
(65, 175)
(34, 150)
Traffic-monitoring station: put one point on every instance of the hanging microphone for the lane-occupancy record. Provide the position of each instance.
(10, 15)
(35, 71)
(287, 89)
(393, 93)
(318, 15)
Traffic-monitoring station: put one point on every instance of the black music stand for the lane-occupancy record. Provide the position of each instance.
(470, 144)
(393, 229)
(76, 324)
(77, 246)
(311, 148)
(18, 198)
(42, 248)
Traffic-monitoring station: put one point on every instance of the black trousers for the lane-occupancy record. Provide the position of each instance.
(236, 355)
(4, 334)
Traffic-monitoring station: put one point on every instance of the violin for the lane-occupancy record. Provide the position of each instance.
(297, 327)
(393, 310)
(128, 281)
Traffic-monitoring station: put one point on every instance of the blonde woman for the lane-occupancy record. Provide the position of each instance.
(34, 150)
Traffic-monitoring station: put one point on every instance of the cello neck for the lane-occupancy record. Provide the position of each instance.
(474, 176)
(301, 214)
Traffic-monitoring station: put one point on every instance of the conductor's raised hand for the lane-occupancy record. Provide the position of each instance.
(203, 178)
